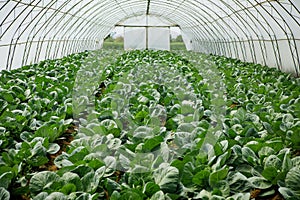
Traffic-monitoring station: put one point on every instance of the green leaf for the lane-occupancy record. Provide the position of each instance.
(249, 156)
(287, 193)
(3, 105)
(53, 148)
(5, 179)
(167, 177)
(222, 188)
(158, 196)
(47, 131)
(42, 181)
(4, 194)
(132, 194)
(56, 196)
(188, 172)
(218, 175)
(111, 186)
(151, 143)
(238, 182)
(270, 173)
(72, 178)
(7, 96)
(90, 182)
(259, 182)
(151, 188)
(115, 195)
(201, 178)
(68, 188)
(292, 180)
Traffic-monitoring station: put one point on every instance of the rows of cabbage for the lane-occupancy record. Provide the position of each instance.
(149, 128)
(150, 137)
(35, 112)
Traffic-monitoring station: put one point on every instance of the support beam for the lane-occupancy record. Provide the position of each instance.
(147, 24)
(148, 8)
(147, 29)
(137, 26)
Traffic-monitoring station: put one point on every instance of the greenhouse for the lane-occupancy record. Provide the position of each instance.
(150, 99)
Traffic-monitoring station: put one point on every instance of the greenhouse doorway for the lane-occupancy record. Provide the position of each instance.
(146, 32)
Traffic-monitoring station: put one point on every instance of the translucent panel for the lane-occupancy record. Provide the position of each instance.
(134, 38)
(159, 38)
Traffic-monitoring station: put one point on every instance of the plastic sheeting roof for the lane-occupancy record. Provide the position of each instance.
(261, 31)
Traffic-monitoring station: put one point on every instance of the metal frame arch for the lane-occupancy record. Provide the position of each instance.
(214, 29)
(7, 16)
(66, 29)
(223, 21)
(28, 25)
(12, 45)
(276, 52)
(219, 25)
(53, 39)
(282, 28)
(245, 25)
(42, 27)
(84, 25)
(296, 56)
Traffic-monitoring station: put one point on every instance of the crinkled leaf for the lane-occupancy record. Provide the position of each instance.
(151, 188)
(4, 194)
(158, 196)
(167, 177)
(239, 196)
(70, 177)
(56, 196)
(287, 162)
(5, 179)
(41, 196)
(273, 161)
(288, 194)
(259, 182)
(201, 178)
(132, 194)
(42, 181)
(90, 182)
(249, 156)
(292, 180)
(238, 182)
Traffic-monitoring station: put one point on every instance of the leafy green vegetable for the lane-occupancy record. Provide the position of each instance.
(148, 125)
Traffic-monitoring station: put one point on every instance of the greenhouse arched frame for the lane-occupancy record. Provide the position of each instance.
(259, 31)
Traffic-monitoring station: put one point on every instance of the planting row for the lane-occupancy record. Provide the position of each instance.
(149, 125)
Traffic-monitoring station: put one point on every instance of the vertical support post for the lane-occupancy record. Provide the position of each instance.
(147, 25)
(147, 34)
